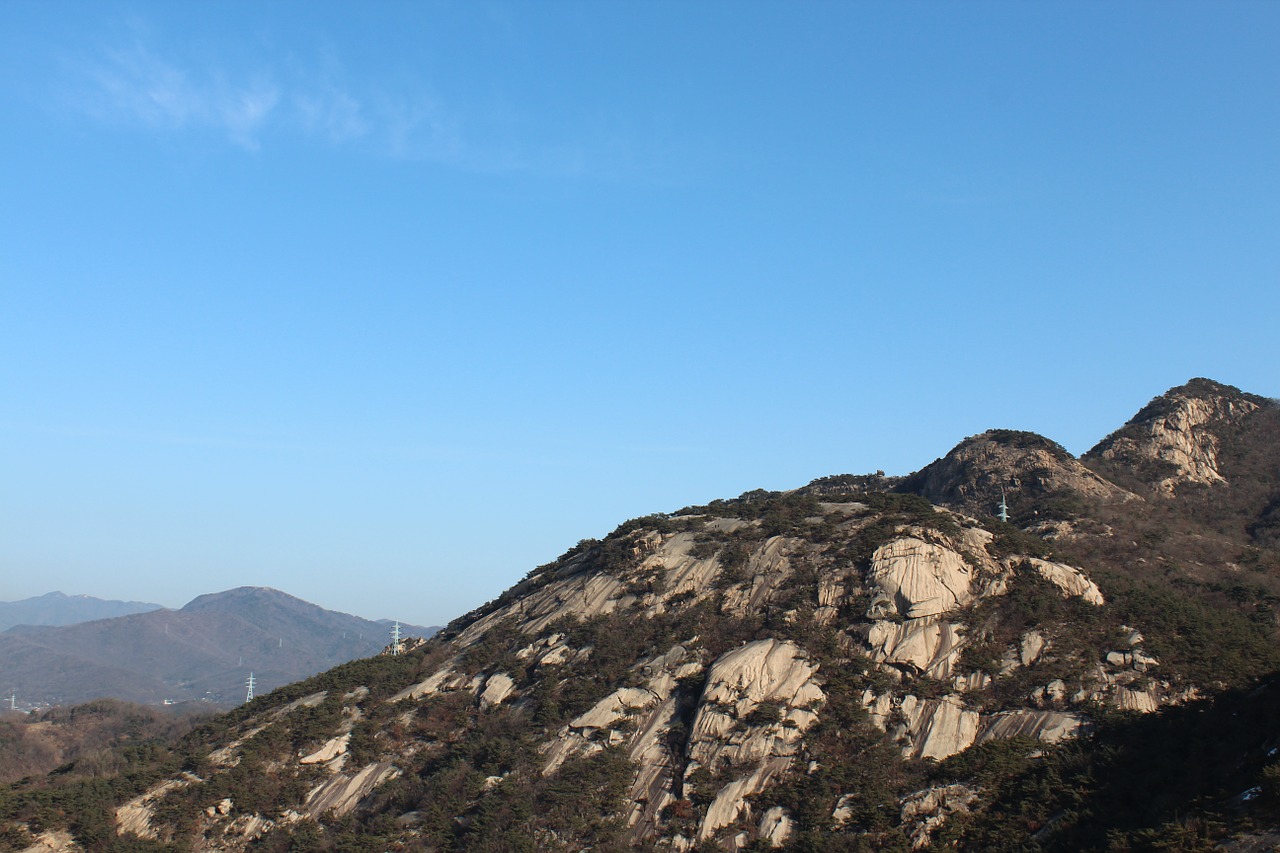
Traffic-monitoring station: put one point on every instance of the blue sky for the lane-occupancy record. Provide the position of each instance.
(386, 308)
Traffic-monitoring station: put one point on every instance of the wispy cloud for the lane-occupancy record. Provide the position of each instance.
(141, 86)
(335, 114)
(136, 86)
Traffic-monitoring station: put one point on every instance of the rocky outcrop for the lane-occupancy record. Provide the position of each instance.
(614, 707)
(134, 817)
(246, 828)
(766, 673)
(642, 714)
(932, 728)
(757, 703)
(1069, 579)
(671, 569)
(1048, 726)
(755, 706)
(229, 755)
(775, 827)
(936, 728)
(444, 679)
(341, 793)
(1176, 436)
(939, 728)
(1143, 701)
(333, 748)
(767, 568)
(546, 651)
(924, 812)
(918, 646)
(1033, 645)
(497, 688)
(916, 578)
(54, 841)
(730, 803)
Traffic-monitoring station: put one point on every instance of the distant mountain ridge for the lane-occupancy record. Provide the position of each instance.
(204, 650)
(56, 608)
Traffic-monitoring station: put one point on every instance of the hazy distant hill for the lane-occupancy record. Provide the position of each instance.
(56, 608)
(203, 651)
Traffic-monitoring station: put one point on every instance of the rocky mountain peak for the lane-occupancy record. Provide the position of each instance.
(1029, 467)
(1177, 438)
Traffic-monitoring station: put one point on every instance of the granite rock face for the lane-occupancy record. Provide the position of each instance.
(729, 731)
(917, 578)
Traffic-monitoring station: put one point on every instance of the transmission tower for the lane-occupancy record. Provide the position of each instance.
(395, 639)
(249, 682)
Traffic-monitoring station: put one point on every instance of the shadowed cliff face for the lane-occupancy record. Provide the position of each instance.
(847, 666)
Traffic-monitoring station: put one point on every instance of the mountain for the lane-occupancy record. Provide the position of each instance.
(862, 663)
(55, 608)
(203, 651)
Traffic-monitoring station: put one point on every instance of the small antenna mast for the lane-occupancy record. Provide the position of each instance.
(1004, 507)
(249, 682)
(395, 639)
